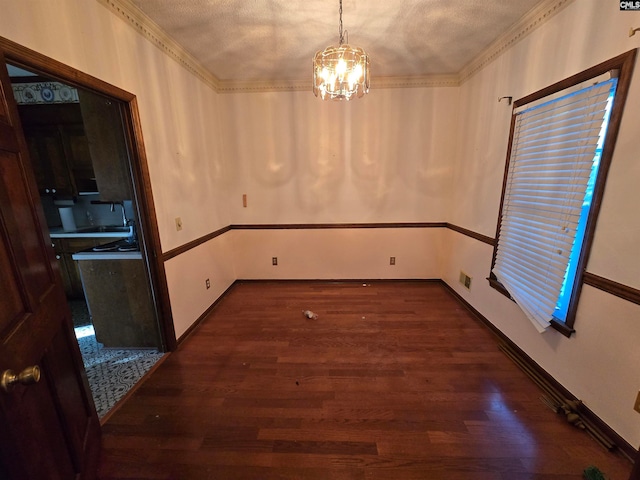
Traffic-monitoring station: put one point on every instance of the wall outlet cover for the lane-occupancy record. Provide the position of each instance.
(465, 280)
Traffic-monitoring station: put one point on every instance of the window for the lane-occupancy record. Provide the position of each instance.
(560, 147)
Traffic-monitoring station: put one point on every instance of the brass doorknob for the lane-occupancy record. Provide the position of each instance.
(27, 376)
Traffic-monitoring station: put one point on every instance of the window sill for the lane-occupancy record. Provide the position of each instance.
(562, 328)
(494, 283)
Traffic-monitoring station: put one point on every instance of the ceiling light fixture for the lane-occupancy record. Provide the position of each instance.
(342, 72)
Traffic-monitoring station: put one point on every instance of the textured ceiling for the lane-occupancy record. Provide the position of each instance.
(275, 40)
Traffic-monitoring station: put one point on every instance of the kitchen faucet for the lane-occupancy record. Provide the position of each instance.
(112, 207)
(125, 222)
(133, 238)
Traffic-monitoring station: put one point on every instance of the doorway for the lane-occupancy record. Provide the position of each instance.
(133, 215)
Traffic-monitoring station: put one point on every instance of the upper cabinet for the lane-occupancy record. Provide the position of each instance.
(78, 148)
(105, 135)
(58, 148)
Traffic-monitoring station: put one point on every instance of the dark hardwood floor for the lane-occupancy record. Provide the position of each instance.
(394, 380)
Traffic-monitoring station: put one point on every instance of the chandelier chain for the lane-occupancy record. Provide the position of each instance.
(341, 34)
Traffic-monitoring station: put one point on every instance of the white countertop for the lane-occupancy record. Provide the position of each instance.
(58, 232)
(136, 255)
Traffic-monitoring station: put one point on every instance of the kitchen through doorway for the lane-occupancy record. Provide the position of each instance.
(82, 165)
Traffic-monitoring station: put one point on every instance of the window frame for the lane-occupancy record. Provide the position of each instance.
(624, 65)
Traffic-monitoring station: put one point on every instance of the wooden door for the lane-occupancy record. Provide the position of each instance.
(49, 429)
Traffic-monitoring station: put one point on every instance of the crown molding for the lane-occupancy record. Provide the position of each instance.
(235, 86)
(138, 20)
(416, 81)
(523, 27)
(255, 86)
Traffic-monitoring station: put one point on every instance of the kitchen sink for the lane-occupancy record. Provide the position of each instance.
(105, 248)
(119, 246)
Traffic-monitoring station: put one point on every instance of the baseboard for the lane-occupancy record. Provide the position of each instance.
(546, 381)
(204, 315)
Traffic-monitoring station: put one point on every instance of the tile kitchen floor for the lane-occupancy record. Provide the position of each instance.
(111, 372)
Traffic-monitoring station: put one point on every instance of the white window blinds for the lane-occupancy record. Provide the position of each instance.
(552, 154)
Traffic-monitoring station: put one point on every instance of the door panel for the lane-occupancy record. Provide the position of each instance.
(69, 393)
(10, 300)
(49, 429)
(28, 250)
(31, 413)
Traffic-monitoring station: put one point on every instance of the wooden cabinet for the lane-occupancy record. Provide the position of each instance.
(105, 134)
(78, 147)
(79, 160)
(58, 149)
(64, 248)
(120, 303)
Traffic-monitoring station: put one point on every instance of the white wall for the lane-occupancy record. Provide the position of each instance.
(187, 275)
(356, 253)
(383, 158)
(599, 364)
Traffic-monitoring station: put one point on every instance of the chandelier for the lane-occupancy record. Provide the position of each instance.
(342, 72)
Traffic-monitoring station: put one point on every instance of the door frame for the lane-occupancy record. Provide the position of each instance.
(31, 60)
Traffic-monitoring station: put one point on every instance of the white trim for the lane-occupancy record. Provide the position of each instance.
(136, 18)
(527, 24)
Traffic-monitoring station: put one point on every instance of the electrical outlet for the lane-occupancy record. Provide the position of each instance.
(392, 260)
(178, 224)
(636, 407)
(274, 260)
(207, 283)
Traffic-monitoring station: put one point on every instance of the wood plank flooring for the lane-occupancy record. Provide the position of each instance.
(394, 380)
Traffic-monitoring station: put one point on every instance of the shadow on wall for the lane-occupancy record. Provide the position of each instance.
(390, 151)
(321, 152)
(411, 143)
(183, 141)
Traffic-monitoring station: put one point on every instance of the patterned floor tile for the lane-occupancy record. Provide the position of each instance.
(112, 372)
